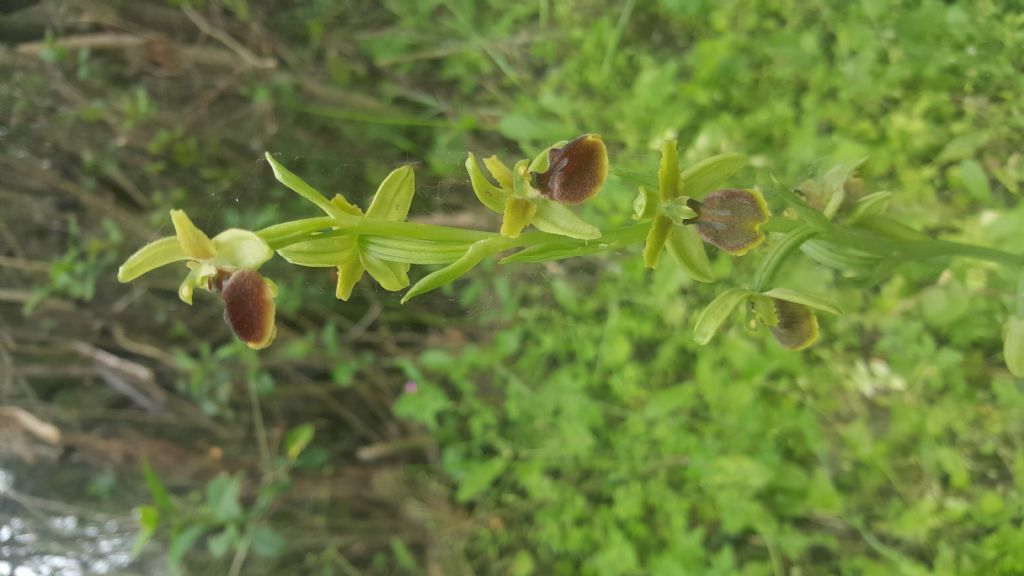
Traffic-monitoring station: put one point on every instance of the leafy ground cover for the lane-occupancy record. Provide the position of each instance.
(530, 420)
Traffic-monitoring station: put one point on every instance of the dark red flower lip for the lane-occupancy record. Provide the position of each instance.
(249, 308)
(575, 171)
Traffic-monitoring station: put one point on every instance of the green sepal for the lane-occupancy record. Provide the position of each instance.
(194, 242)
(150, 257)
(840, 257)
(797, 297)
(473, 256)
(392, 276)
(710, 174)
(300, 187)
(412, 251)
(320, 252)
(555, 251)
(668, 171)
(489, 195)
(717, 312)
(1013, 345)
(656, 238)
(555, 218)
(688, 249)
(350, 271)
(394, 196)
(238, 249)
(518, 214)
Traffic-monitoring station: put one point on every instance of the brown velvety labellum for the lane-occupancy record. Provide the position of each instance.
(730, 219)
(575, 171)
(249, 308)
(797, 328)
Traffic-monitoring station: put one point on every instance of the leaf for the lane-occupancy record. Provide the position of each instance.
(391, 276)
(489, 195)
(770, 265)
(668, 171)
(973, 178)
(221, 542)
(797, 297)
(222, 495)
(871, 205)
(297, 439)
(1013, 345)
(267, 542)
(394, 196)
(156, 488)
(479, 476)
(473, 256)
(149, 518)
(554, 218)
(412, 251)
(180, 544)
(556, 251)
(709, 174)
(688, 249)
(150, 257)
(805, 211)
(715, 314)
(300, 187)
(320, 252)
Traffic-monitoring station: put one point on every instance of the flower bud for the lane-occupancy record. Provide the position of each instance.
(575, 171)
(249, 308)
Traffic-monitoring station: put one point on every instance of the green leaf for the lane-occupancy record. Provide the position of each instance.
(715, 314)
(871, 205)
(320, 252)
(222, 495)
(805, 211)
(300, 187)
(555, 218)
(668, 171)
(489, 195)
(974, 179)
(473, 256)
(297, 439)
(770, 265)
(391, 276)
(180, 544)
(156, 488)
(688, 249)
(149, 518)
(394, 196)
(710, 174)
(797, 297)
(150, 257)
(412, 251)
(267, 542)
(1013, 345)
(479, 476)
(221, 542)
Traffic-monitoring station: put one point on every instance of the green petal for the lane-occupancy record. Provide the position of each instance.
(518, 214)
(731, 220)
(151, 256)
(489, 195)
(194, 242)
(197, 278)
(240, 250)
(392, 276)
(501, 173)
(688, 249)
(656, 238)
(394, 196)
(555, 218)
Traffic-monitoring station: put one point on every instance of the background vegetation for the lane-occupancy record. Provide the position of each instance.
(553, 419)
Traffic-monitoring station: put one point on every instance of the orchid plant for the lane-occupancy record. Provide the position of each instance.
(833, 221)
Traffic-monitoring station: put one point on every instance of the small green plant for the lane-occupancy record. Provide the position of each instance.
(832, 221)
